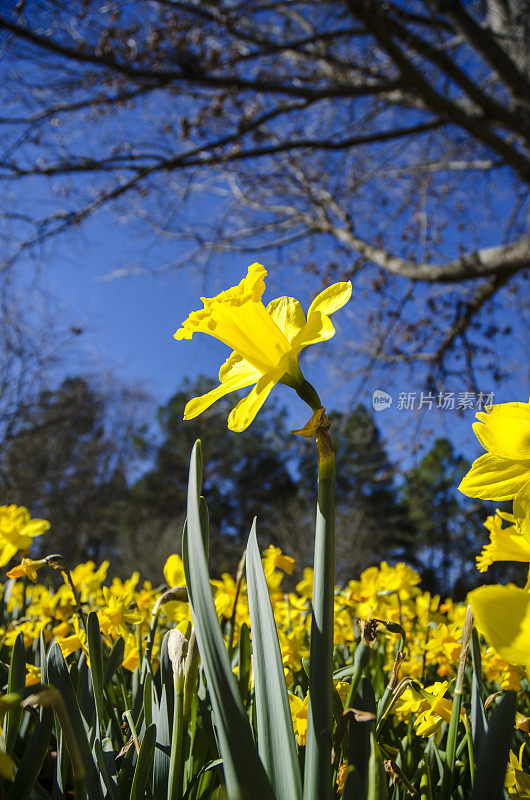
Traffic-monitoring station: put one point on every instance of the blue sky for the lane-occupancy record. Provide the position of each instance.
(128, 325)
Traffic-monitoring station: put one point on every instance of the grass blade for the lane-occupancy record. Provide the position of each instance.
(276, 743)
(491, 768)
(15, 685)
(144, 763)
(72, 722)
(244, 773)
(33, 758)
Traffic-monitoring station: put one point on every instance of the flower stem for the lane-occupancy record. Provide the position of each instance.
(317, 779)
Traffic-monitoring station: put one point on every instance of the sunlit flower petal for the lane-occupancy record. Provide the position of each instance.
(239, 381)
(288, 315)
(242, 415)
(493, 478)
(331, 299)
(504, 430)
(502, 614)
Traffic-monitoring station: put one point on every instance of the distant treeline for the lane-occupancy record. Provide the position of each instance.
(71, 458)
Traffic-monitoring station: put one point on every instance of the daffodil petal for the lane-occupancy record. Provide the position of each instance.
(199, 404)
(7, 551)
(493, 478)
(237, 366)
(247, 408)
(35, 527)
(331, 299)
(504, 430)
(174, 571)
(502, 614)
(319, 328)
(288, 315)
(521, 511)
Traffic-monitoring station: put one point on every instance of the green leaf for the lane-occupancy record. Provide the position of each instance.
(244, 671)
(85, 692)
(114, 660)
(96, 663)
(377, 777)
(144, 763)
(491, 767)
(276, 744)
(359, 739)
(15, 685)
(106, 761)
(163, 742)
(33, 758)
(148, 700)
(58, 676)
(244, 773)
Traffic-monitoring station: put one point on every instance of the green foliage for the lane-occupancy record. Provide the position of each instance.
(193, 731)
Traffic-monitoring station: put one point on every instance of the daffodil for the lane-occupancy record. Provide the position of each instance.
(17, 531)
(266, 342)
(274, 559)
(299, 709)
(506, 544)
(503, 473)
(117, 612)
(517, 780)
(27, 568)
(438, 710)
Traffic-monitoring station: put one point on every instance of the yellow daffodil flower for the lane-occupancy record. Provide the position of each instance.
(299, 709)
(497, 670)
(503, 473)
(517, 780)
(266, 342)
(502, 614)
(274, 559)
(17, 531)
(77, 641)
(438, 710)
(27, 568)
(32, 675)
(87, 579)
(506, 544)
(117, 613)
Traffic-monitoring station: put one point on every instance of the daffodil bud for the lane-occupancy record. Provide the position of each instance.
(177, 648)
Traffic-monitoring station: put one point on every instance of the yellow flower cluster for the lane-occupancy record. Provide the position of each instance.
(387, 593)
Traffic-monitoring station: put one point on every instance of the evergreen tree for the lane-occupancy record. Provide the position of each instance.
(67, 461)
(371, 524)
(447, 534)
(244, 476)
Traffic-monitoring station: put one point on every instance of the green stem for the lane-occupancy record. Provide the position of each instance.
(471, 755)
(450, 749)
(176, 762)
(317, 779)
